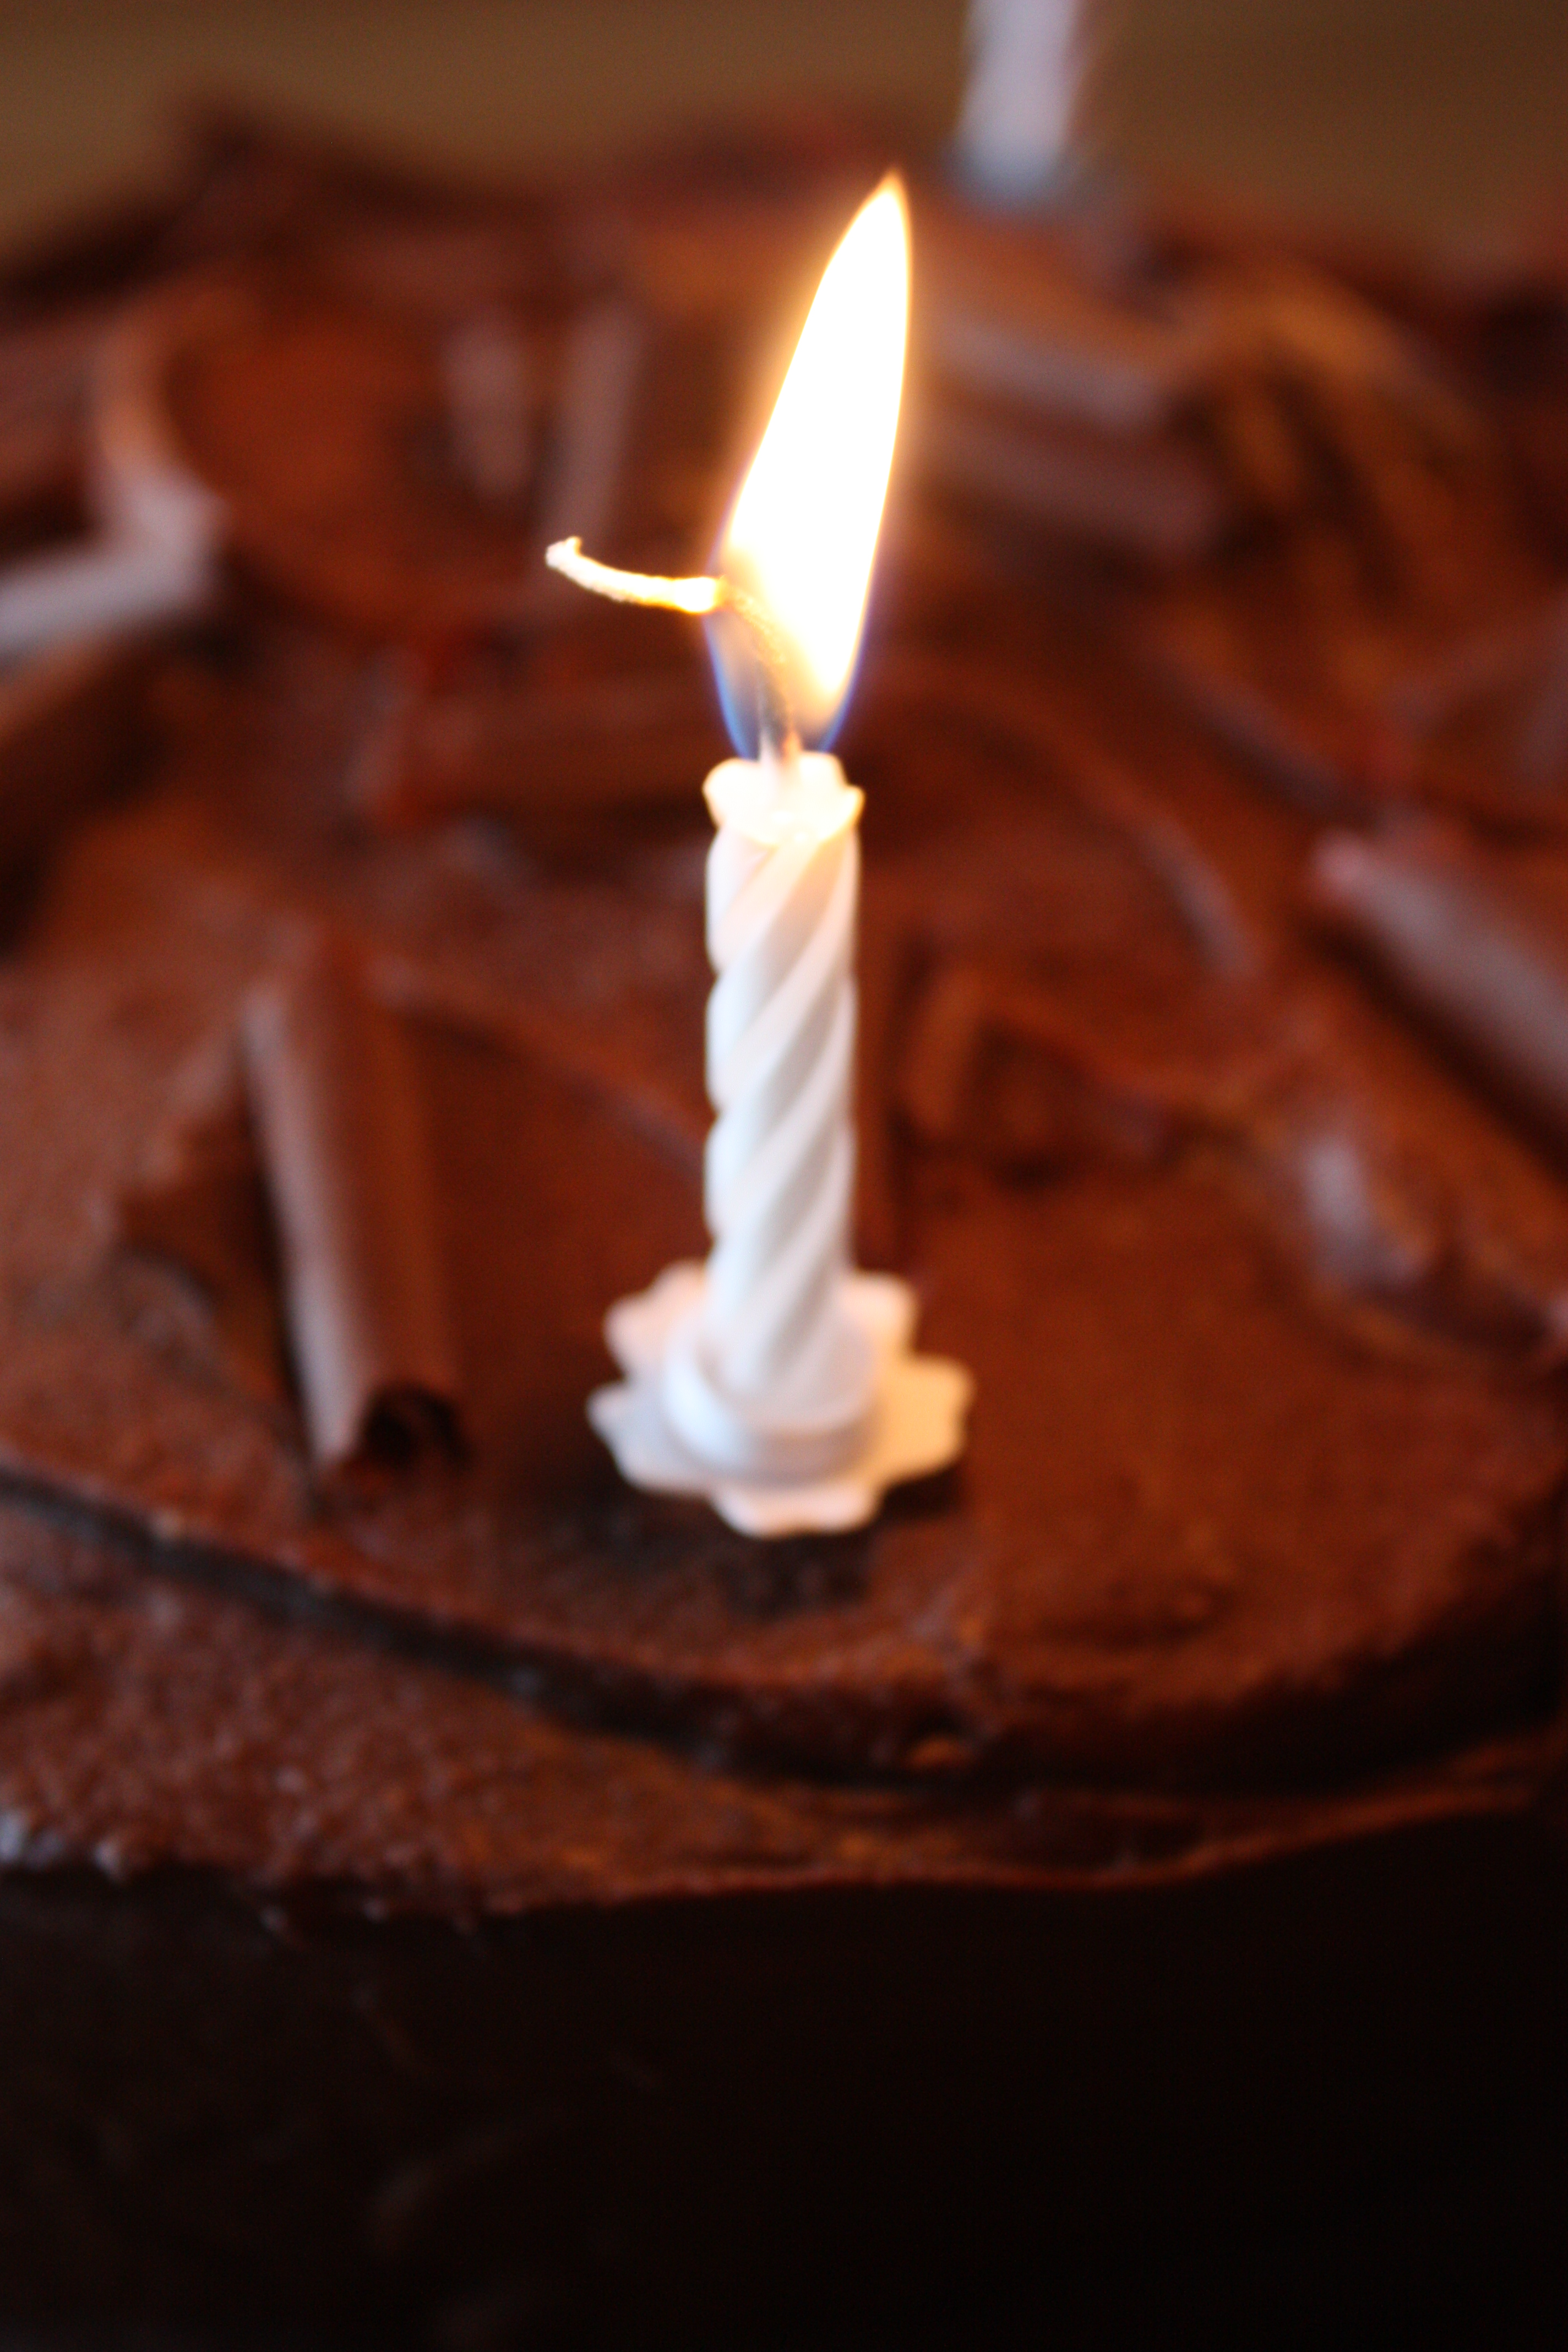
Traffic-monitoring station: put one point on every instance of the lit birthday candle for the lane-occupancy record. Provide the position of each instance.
(776, 1380)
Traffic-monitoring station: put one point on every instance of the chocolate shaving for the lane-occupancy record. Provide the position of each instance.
(1385, 1242)
(1421, 908)
(930, 1022)
(586, 1054)
(1334, 336)
(1153, 498)
(338, 1123)
(377, 769)
(601, 368)
(1303, 765)
(1017, 321)
(1259, 450)
(1040, 727)
(1484, 680)
(1274, 394)
(428, 753)
(1543, 747)
(1405, 509)
(488, 368)
(45, 372)
(992, 1060)
(67, 729)
(993, 1064)
(1087, 379)
(1358, 392)
(1495, 660)
(198, 1201)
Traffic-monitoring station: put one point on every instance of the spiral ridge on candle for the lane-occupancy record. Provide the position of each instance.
(780, 1161)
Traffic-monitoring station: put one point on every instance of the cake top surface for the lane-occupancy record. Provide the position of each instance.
(1263, 1296)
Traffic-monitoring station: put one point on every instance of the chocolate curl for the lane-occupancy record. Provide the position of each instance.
(1259, 449)
(1151, 496)
(197, 1201)
(44, 371)
(1480, 666)
(1037, 725)
(1411, 514)
(601, 368)
(1015, 321)
(1411, 1270)
(488, 368)
(1419, 908)
(68, 728)
(1342, 381)
(1510, 681)
(1543, 749)
(997, 1058)
(339, 1121)
(588, 1054)
(427, 754)
(1307, 767)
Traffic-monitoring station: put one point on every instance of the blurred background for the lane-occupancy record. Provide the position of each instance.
(1441, 118)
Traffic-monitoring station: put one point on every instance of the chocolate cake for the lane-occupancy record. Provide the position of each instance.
(451, 1895)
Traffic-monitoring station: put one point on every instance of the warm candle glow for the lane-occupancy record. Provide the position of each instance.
(775, 1379)
(803, 532)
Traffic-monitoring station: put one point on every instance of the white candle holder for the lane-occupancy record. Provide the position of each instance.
(913, 1426)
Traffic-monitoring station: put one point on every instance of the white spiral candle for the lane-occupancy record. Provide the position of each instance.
(776, 1375)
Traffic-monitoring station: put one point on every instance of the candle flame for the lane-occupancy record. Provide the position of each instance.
(801, 533)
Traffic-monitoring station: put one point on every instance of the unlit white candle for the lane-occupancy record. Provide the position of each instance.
(1020, 108)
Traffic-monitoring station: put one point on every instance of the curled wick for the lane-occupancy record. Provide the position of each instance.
(698, 596)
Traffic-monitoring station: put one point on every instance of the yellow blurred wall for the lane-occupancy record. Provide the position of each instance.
(1415, 112)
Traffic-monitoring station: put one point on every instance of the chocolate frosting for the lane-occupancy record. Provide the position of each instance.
(1249, 1494)
(1262, 1299)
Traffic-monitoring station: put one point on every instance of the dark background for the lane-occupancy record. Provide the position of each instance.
(1439, 115)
